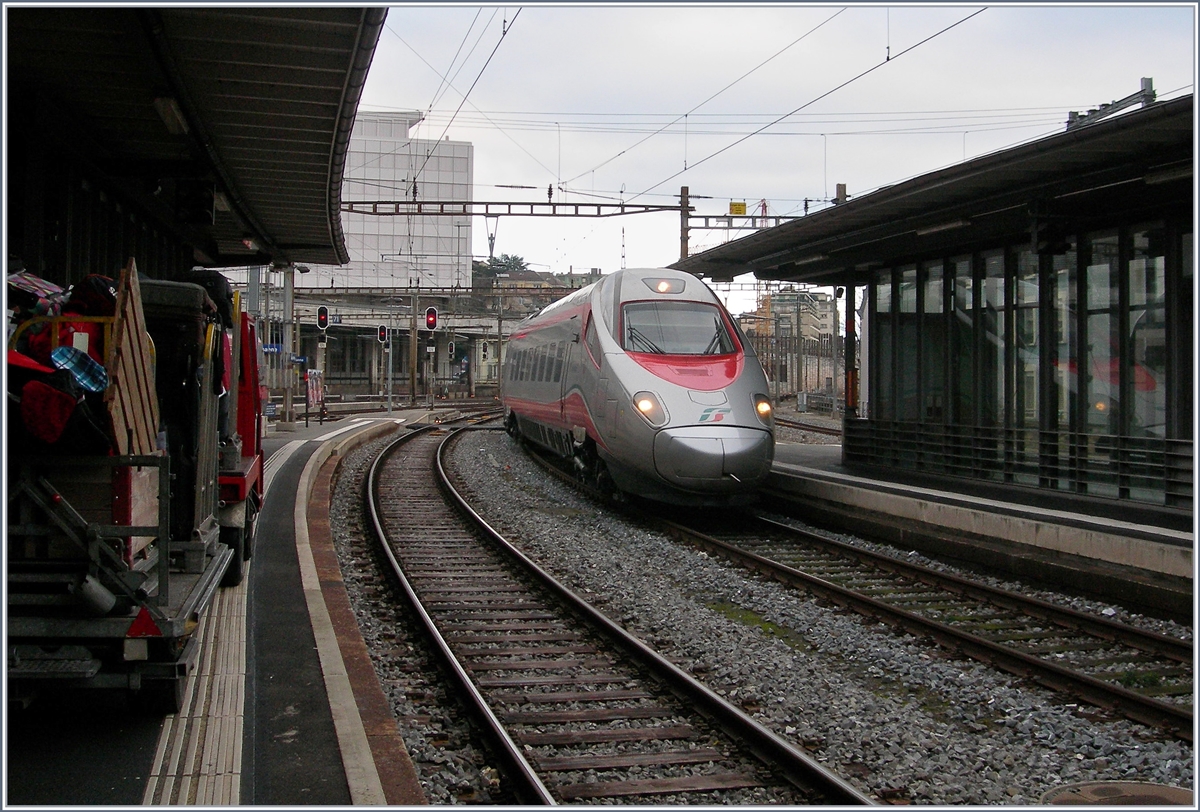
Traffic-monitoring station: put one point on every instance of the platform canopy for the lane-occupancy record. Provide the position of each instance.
(1024, 192)
(228, 124)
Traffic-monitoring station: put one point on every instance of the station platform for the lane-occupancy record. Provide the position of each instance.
(1132, 559)
(285, 708)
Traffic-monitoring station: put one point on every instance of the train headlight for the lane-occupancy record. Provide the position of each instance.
(665, 284)
(762, 408)
(648, 406)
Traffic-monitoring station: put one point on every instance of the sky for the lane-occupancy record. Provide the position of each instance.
(766, 104)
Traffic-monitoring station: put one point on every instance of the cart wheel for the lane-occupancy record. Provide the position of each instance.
(234, 537)
(251, 531)
(158, 697)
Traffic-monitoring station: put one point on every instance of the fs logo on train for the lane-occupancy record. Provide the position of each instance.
(714, 415)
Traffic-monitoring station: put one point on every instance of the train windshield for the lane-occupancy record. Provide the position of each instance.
(675, 328)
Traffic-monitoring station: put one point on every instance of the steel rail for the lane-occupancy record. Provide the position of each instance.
(526, 783)
(1152, 642)
(796, 424)
(763, 742)
(1177, 720)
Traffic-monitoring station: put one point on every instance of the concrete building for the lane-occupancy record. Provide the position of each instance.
(795, 333)
(385, 163)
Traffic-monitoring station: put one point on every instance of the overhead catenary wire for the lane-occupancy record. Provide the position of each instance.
(504, 33)
(447, 80)
(615, 121)
(813, 101)
(706, 101)
(432, 116)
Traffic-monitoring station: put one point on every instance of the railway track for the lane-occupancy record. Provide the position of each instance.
(802, 426)
(1142, 675)
(574, 708)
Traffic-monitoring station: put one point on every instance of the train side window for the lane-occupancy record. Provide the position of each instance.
(558, 362)
(592, 340)
(551, 351)
(539, 365)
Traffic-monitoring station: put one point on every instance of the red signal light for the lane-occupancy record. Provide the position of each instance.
(431, 318)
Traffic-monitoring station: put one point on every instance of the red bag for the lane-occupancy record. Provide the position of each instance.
(46, 410)
(92, 333)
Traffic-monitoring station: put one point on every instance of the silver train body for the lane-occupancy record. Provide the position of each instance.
(647, 383)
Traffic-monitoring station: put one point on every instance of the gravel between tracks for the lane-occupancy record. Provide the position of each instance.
(877, 707)
(883, 710)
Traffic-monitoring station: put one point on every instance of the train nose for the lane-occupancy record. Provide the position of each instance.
(713, 458)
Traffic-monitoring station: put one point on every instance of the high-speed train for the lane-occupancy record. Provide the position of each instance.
(647, 383)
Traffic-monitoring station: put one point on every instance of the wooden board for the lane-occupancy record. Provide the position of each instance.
(131, 397)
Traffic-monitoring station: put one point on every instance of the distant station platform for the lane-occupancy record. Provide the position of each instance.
(1130, 559)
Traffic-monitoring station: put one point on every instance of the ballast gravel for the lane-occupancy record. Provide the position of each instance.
(894, 716)
(898, 719)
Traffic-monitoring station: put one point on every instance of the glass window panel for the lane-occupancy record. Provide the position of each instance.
(882, 396)
(992, 359)
(675, 328)
(933, 345)
(1066, 364)
(907, 335)
(558, 362)
(1026, 343)
(933, 288)
(963, 336)
(1187, 340)
(908, 290)
(1102, 361)
(592, 340)
(1148, 332)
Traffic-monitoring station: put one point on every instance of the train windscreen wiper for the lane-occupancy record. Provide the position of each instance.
(716, 345)
(635, 335)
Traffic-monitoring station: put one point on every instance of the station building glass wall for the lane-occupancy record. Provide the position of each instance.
(1069, 369)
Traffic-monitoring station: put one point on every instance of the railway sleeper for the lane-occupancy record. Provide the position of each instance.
(536, 665)
(587, 715)
(683, 785)
(1065, 648)
(624, 760)
(503, 649)
(564, 697)
(495, 681)
(516, 637)
(608, 735)
(1183, 689)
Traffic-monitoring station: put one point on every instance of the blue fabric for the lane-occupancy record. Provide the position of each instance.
(88, 373)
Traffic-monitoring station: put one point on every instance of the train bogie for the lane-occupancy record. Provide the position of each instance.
(646, 382)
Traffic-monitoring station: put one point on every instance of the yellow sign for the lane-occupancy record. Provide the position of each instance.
(737, 206)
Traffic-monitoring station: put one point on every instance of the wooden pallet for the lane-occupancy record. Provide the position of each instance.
(131, 397)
